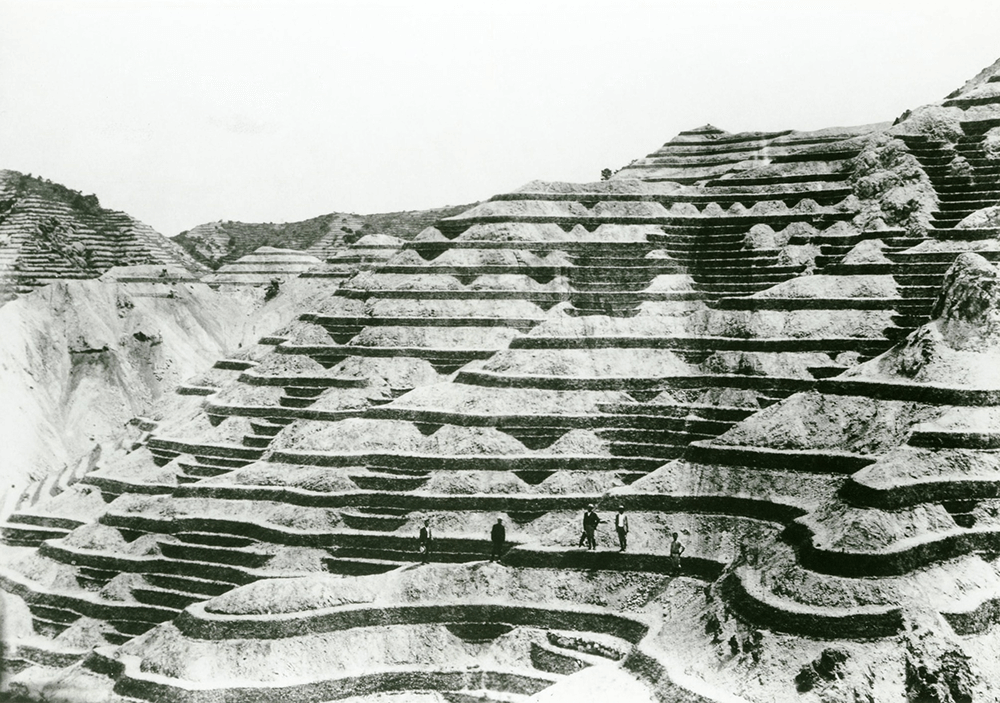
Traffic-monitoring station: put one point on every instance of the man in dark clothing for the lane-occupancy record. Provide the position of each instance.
(590, 523)
(425, 541)
(621, 526)
(498, 535)
(676, 549)
(583, 532)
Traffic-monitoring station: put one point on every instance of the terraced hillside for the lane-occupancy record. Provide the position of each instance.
(218, 243)
(49, 233)
(263, 266)
(780, 346)
(82, 360)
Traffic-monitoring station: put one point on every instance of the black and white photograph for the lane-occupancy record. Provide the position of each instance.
(442, 351)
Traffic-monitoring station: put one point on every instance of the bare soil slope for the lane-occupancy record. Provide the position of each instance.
(80, 359)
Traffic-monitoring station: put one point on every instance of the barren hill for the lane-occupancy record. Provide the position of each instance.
(217, 243)
(49, 232)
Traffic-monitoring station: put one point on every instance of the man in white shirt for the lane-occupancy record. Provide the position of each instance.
(621, 526)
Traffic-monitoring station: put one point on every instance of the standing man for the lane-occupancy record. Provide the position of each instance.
(676, 549)
(498, 535)
(590, 522)
(621, 527)
(425, 541)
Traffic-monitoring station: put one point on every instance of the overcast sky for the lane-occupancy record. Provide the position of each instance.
(186, 112)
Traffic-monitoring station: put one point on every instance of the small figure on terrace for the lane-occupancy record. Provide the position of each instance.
(272, 290)
(425, 541)
(498, 535)
(590, 522)
(621, 527)
(676, 549)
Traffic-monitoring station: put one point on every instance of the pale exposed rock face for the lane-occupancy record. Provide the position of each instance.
(982, 219)
(869, 251)
(991, 144)
(933, 120)
(893, 187)
(763, 237)
(800, 255)
(79, 359)
(938, 669)
(968, 309)
(961, 345)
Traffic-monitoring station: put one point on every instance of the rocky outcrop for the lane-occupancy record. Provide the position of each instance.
(968, 308)
(894, 188)
(985, 218)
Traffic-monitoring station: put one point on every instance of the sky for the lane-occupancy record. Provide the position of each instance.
(185, 112)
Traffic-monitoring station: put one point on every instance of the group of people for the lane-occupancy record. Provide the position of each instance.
(590, 522)
(589, 537)
(498, 537)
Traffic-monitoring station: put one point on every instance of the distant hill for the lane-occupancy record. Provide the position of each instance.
(217, 243)
(49, 232)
